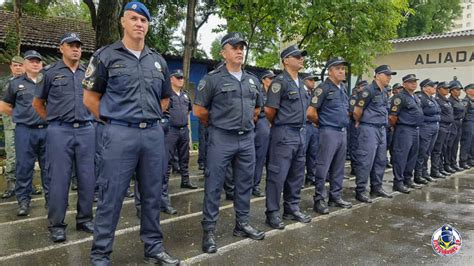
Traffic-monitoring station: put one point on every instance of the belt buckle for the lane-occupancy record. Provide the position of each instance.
(241, 132)
(142, 125)
(40, 126)
(343, 129)
(75, 125)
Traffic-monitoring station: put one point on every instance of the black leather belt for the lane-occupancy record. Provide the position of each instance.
(77, 124)
(142, 125)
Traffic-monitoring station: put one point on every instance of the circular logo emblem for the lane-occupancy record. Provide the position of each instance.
(315, 99)
(365, 94)
(73, 35)
(446, 240)
(397, 101)
(158, 66)
(134, 6)
(352, 102)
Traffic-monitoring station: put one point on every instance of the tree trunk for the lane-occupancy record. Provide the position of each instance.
(108, 14)
(17, 12)
(93, 12)
(188, 46)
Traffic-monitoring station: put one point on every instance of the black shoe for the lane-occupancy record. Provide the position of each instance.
(321, 207)
(209, 242)
(401, 188)
(437, 175)
(23, 210)
(169, 210)
(389, 165)
(246, 230)
(87, 227)
(457, 168)
(444, 173)
(188, 185)
(415, 186)
(229, 196)
(201, 167)
(420, 180)
(130, 193)
(465, 166)
(8, 194)
(297, 216)
(340, 203)
(275, 222)
(362, 197)
(175, 171)
(429, 178)
(309, 181)
(449, 169)
(257, 192)
(162, 258)
(37, 190)
(57, 235)
(380, 193)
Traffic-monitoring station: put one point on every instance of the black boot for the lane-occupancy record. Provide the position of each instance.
(209, 242)
(246, 230)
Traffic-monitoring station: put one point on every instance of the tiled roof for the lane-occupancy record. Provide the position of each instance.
(45, 32)
(435, 36)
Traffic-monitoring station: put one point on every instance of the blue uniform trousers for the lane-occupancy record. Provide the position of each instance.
(428, 136)
(352, 143)
(262, 140)
(176, 140)
(228, 148)
(405, 153)
(203, 135)
(66, 144)
(467, 143)
(331, 158)
(311, 149)
(124, 151)
(286, 163)
(30, 144)
(439, 148)
(453, 143)
(372, 156)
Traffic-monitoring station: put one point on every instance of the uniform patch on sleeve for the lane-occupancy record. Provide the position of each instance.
(394, 108)
(352, 102)
(39, 78)
(365, 94)
(397, 101)
(276, 87)
(318, 91)
(201, 85)
(89, 71)
(361, 103)
(314, 99)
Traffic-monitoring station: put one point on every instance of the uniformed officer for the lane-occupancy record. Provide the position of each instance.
(330, 111)
(177, 137)
(71, 137)
(351, 131)
(126, 86)
(396, 89)
(30, 130)
(228, 100)
(16, 69)
(446, 120)
(406, 116)
(370, 115)
(466, 157)
(312, 132)
(454, 137)
(428, 130)
(262, 136)
(286, 105)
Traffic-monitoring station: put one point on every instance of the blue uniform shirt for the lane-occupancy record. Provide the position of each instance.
(231, 103)
(19, 93)
(374, 103)
(131, 87)
(431, 109)
(178, 110)
(332, 104)
(469, 105)
(62, 90)
(447, 112)
(458, 108)
(407, 108)
(290, 99)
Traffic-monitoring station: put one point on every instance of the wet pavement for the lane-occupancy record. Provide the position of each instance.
(387, 231)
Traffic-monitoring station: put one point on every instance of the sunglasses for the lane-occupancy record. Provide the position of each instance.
(270, 78)
(179, 78)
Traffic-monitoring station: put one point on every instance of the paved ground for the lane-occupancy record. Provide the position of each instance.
(396, 231)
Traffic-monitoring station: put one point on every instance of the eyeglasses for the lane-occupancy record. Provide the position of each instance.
(179, 78)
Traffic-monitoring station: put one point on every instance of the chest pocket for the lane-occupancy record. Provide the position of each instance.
(60, 86)
(226, 93)
(121, 77)
(24, 96)
(293, 95)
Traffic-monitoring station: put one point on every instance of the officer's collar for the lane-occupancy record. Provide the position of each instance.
(119, 46)
(329, 81)
(289, 78)
(224, 68)
(25, 77)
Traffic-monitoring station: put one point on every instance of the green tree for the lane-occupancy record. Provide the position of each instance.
(71, 9)
(216, 50)
(429, 17)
